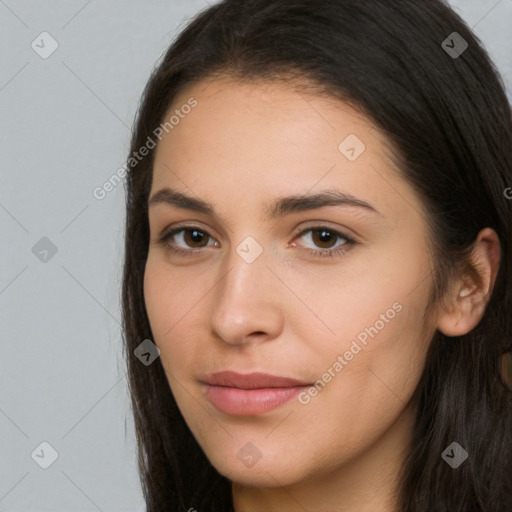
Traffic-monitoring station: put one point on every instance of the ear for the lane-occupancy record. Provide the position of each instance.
(469, 295)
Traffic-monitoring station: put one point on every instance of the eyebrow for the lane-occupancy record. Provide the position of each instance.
(277, 209)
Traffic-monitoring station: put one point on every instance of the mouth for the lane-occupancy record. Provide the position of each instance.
(250, 394)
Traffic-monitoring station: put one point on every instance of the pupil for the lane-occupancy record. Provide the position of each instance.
(325, 237)
(196, 236)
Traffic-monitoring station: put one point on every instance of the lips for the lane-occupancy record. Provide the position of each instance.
(252, 380)
(250, 394)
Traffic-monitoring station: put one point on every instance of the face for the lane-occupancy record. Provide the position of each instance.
(324, 294)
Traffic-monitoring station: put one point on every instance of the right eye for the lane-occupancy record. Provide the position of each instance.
(185, 239)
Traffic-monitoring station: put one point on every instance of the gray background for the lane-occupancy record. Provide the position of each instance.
(64, 130)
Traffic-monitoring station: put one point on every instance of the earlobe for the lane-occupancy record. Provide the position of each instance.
(465, 314)
(470, 295)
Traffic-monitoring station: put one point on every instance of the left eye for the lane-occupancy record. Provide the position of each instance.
(324, 237)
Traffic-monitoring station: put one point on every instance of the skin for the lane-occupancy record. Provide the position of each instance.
(289, 312)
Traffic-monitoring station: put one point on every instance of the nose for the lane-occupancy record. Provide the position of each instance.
(246, 302)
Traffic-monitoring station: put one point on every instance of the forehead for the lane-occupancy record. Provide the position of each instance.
(271, 137)
(294, 112)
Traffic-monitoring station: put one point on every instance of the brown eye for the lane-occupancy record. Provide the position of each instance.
(324, 238)
(194, 236)
(323, 241)
(183, 239)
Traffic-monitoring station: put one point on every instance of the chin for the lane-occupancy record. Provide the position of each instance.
(276, 471)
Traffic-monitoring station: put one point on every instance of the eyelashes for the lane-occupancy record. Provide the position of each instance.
(193, 234)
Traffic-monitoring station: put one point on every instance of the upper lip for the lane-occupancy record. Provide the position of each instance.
(256, 380)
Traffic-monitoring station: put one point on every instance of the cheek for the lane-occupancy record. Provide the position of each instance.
(362, 388)
(371, 304)
(156, 297)
(172, 303)
(167, 298)
(163, 308)
(380, 344)
(382, 359)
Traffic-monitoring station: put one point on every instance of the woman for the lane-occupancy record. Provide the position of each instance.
(318, 243)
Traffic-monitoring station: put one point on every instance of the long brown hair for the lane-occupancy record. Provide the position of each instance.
(449, 120)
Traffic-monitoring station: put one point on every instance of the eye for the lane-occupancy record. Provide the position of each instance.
(326, 238)
(189, 240)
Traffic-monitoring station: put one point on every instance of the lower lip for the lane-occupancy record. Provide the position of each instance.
(250, 401)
